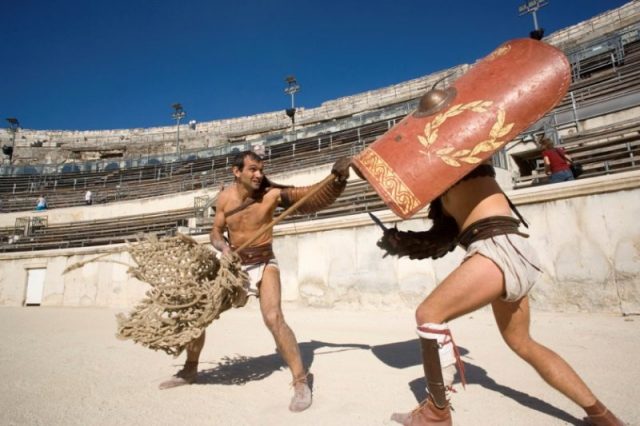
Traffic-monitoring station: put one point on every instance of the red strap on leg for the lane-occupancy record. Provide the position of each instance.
(449, 338)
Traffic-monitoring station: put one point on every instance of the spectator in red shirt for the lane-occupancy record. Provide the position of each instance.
(557, 164)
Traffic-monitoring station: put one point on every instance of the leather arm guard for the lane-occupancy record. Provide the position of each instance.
(322, 199)
(434, 243)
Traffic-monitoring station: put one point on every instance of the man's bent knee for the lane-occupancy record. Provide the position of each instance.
(428, 314)
(273, 320)
(522, 346)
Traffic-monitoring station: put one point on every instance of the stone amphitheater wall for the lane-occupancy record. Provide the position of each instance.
(157, 140)
(586, 233)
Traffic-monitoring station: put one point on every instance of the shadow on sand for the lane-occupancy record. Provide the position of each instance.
(238, 370)
(407, 354)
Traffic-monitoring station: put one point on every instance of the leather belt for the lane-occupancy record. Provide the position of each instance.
(257, 254)
(489, 227)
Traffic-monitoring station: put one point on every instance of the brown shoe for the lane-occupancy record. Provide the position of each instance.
(427, 414)
(186, 376)
(605, 419)
(302, 395)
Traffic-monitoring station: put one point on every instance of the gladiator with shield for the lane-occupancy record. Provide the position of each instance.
(440, 155)
(244, 211)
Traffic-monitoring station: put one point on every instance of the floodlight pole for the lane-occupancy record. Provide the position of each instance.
(178, 114)
(14, 124)
(532, 6)
(292, 88)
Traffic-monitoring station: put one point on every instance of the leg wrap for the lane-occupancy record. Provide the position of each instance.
(322, 199)
(447, 351)
(433, 372)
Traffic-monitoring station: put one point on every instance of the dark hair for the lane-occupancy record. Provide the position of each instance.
(238, 160)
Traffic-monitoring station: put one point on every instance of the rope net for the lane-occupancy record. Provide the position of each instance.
(190, 288)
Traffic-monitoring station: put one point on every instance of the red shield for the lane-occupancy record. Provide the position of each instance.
(427, 152)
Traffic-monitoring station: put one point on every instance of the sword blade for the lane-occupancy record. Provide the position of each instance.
(377, 221)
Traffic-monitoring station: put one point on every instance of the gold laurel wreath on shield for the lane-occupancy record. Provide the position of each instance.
(449, 154)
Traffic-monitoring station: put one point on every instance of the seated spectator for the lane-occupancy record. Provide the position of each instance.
(557, 164)
(42, 203)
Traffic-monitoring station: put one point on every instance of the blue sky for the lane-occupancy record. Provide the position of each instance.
(115, 64)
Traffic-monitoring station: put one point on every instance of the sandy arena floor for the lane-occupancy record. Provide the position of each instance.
(64, 366)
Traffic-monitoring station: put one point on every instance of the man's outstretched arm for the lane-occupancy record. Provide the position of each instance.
(323, 198)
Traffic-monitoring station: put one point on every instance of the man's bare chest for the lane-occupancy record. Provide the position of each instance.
(249, 214)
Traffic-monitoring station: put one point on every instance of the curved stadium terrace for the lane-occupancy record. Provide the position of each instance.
(142, 185)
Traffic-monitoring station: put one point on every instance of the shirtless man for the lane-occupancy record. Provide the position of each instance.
(243, 208)
(499, 268)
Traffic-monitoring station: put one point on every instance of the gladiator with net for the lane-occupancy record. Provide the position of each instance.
(242, 235)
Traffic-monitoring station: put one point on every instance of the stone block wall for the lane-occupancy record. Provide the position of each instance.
(586, 233)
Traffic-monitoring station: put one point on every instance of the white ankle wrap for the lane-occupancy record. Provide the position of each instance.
(447, 351)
